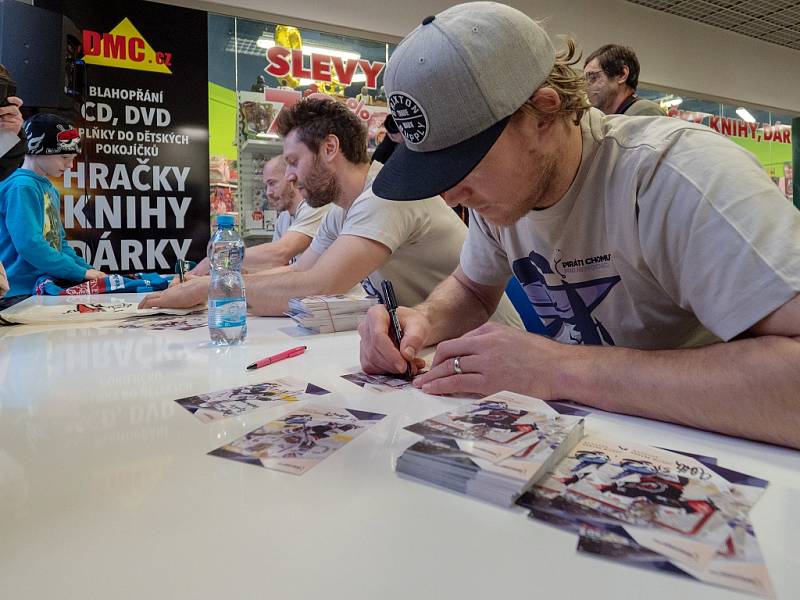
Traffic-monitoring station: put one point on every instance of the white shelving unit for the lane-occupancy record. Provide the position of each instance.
(270, 146)
(256, 219)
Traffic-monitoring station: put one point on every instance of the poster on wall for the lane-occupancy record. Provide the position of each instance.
(258, 116)
(137, 198)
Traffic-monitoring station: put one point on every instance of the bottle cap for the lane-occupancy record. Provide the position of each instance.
(224, 220)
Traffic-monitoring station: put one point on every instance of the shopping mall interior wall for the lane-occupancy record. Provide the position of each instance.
(675, 52)
(773, 156)
(221, 121)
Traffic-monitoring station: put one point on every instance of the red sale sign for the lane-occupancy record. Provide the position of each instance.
(283, 61)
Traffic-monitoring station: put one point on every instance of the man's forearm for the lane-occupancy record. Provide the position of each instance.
(268, 294)
(264, 256)
(747, 388)
(452, 309)
(276, 254)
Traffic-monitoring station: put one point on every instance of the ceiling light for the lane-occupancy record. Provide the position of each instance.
(745, 115)
(672, 102)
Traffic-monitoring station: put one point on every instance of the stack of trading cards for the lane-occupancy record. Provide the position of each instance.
(656, 509)
(329, 314)
(493, 448)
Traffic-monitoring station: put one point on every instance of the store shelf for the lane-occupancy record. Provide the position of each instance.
(270, 146)
(259, 235)
(255, 148)
(232, 186)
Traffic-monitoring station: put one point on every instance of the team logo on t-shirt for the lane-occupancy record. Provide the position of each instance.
(51, 228)
(566, 308)
(409, 116)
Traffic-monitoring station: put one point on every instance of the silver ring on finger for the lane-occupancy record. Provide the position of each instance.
(457, 366)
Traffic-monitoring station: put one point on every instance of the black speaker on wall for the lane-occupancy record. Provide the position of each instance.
(41, 49)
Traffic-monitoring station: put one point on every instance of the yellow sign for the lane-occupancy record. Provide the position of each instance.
(125, 48)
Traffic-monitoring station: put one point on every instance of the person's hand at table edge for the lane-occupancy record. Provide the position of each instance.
(202, 268)
(494, 358)
(185, 295)
(176, 280)
(379, 353)
(93, 274)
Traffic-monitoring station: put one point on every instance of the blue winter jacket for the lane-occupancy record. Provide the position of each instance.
(32, 239)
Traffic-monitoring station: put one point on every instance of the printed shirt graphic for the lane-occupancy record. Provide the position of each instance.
(565, 308)
(631, 254)
(51, 229)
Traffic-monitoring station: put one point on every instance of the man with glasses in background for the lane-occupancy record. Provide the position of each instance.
(612, 75)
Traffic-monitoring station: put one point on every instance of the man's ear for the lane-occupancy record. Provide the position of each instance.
(623, 78)
(547, 101)
(329, 147)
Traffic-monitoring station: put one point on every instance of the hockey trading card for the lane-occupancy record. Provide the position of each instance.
(38, 309)
(561, 513)
(380, 384)
(246, 398)
(498, 426)
(670, 503)
(166, 323)
(610, 541)
(300, 440)
(737, 565)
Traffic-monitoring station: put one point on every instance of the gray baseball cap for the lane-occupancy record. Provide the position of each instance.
(452, 85)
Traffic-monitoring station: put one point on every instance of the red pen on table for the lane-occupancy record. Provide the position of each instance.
(276, 357)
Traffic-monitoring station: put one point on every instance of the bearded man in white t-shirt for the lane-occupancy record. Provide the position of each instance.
(662, 261)
(297, 222)
(416, 245)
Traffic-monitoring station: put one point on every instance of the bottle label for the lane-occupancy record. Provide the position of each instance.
(227, 312)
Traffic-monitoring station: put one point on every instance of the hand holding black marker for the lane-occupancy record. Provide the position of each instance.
(391, 305)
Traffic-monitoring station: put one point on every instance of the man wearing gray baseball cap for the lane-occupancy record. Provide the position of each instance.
(663, 263)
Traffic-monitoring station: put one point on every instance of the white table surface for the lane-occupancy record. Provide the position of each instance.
(106, 490)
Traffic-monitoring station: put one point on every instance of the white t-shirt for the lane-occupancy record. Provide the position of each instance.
(281, 225)
(423, 236)
(306, 220)
(670, 236)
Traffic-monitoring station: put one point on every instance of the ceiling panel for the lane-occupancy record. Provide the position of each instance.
(773, 21)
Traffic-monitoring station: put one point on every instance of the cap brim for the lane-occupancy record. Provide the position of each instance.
(410, 175)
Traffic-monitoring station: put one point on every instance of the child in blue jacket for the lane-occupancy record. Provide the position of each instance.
(32, 239)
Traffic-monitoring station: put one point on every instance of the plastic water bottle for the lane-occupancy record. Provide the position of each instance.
(227, 308)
